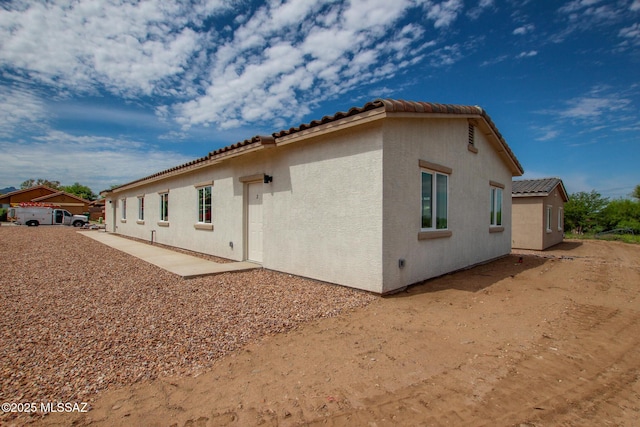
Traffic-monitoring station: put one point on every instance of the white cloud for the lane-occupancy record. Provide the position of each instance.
(446, 55)
(128, 47)
(494, 61)
(20, 108)
(586, 15)
(631, 33)
(593, 117)
(268, 63)
(547, 133)
(475, 12)
(635, 5)
(524, 29)
(287, 56)
(527, 54)
(68, 158)
(593, 106)
(576, 5)
(444, 13)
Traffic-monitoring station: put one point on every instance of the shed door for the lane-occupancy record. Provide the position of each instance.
(254, 222)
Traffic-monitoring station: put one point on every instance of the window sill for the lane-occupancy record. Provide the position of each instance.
(472, 148)
(496, 229)
(203, 226)
(140, 221)
(163, 223)
(123, 220)
(439, 234)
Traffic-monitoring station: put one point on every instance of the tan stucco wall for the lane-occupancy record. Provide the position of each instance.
(441, 141)
(530, 221)
(325, 214)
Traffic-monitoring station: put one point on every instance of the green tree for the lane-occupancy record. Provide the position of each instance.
(35, 182)
(582, 211)
(636, 192)
(80, 191)
(621, 213)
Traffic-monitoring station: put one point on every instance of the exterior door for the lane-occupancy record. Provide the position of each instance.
(254, 222)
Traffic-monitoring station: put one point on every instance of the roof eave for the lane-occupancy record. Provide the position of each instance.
(284, 138)
(218, 156)
(523, 195)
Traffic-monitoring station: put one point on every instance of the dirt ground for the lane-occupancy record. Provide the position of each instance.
(552, 340)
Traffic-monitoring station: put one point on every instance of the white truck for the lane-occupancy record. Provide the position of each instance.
(34, 215)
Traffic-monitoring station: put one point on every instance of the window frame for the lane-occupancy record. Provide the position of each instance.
(549, 217)
(202, 205)
(561, 219)
(496, 210)
(164, 206)
(140, 208)
(123, 213)
(436, 205)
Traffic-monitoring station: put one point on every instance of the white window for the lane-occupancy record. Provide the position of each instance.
(549, 210)
(141, 208)
(560, 219)
(124, 208)
(496, 206)
(435, 191)
(204, 204)
(164, 207)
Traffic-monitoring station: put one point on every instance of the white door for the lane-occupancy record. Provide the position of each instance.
(254, 222)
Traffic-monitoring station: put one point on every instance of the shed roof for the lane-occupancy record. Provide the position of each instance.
(537, 187)
(385, 106)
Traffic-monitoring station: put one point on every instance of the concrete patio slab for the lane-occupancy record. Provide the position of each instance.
(183, 265)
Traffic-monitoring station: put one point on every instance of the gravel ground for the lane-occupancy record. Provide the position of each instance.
(79, 317)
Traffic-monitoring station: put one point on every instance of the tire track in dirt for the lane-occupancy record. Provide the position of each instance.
(564, 382)
(585, 365)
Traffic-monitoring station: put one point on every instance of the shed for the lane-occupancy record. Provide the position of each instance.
(377, 198)
(538, 213)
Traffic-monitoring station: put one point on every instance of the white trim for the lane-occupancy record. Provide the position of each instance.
(123, 210)
(164, 215)
(434, 203)
(493, 202)
(560, 219)
(140, 209)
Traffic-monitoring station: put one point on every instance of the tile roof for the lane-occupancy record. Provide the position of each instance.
(390, 105)
(536, 187)
(386, 105)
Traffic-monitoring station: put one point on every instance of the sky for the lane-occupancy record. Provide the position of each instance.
(103, 92)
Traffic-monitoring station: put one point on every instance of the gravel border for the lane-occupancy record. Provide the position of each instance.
(79, 317)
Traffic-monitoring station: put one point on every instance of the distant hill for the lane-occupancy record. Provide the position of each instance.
(7, 190)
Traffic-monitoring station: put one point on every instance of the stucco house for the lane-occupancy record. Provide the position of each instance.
(377, 198)
(538, 213)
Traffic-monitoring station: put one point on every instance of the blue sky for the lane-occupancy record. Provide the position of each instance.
(103, 92)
